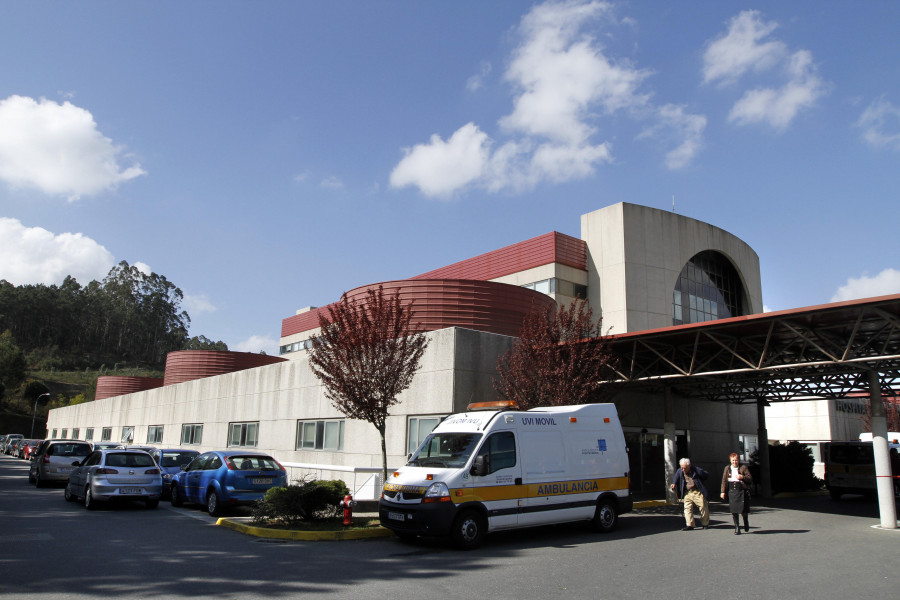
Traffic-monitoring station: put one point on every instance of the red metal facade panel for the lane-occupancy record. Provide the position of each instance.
(441, 303)
(553, 247)
(117, 385)
(187, 365)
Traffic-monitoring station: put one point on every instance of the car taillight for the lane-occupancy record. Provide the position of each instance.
(280, 468)
(151, 472)
(46, 458)
(230, 464)
(106, 471)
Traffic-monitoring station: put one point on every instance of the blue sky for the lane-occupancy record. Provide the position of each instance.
(267, 156)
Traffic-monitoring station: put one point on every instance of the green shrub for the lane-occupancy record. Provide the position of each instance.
(305, 500)
(790, 467)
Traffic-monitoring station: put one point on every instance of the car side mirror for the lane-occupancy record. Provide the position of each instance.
(480, 466)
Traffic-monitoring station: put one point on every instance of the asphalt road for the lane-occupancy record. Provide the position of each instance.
(798, 548)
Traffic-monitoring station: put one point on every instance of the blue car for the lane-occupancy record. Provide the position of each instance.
(170, 461)
(221, 480)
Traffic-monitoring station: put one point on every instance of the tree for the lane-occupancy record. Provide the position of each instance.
(366, 354)
(12, 361)
(556, 360)
(891, 413)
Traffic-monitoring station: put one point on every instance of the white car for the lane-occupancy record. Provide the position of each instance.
(115, 474)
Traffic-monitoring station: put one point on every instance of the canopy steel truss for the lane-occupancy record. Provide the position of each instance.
(801, 354)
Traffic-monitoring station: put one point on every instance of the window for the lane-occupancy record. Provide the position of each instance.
(76, 433)
(554, 285)
(65, 434)
(191, 434)
(295, 347)
(747, 445)
(89, 434)
(53, 434)
(418, 429)
(320, 435)
(708, 288)
(499, 451)
(245, 435)
(155, 434)
(128, 435)
(106, 434)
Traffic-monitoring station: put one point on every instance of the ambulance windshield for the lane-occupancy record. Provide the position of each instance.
(446, 450)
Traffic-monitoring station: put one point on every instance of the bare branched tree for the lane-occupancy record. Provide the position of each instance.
(366, 354)
(557, 359)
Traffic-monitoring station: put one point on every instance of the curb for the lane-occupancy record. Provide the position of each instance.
(305, 536)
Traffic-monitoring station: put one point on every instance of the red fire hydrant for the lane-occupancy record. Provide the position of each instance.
(347, 504)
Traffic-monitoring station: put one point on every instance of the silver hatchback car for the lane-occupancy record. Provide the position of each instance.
(115, 474)
(53, 460)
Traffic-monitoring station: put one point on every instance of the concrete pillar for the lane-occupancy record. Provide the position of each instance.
(671, 461)
(884, 484)
(765, 486)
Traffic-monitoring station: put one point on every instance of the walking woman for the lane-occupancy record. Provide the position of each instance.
(736, 482)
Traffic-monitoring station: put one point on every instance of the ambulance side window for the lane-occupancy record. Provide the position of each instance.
(499, 451)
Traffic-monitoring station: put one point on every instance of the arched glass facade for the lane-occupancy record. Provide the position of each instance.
(708, 288)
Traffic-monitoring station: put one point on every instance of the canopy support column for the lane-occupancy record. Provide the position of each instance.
(669, 445)
(884, 483)
(765, 486)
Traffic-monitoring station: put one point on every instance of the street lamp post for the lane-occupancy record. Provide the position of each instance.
(34, 415)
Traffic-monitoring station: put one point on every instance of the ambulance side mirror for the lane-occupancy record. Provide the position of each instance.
(480, 467)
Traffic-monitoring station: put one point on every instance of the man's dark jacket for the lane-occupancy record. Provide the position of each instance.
(699, 476)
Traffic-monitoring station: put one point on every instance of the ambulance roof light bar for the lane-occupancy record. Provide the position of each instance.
(494, 405)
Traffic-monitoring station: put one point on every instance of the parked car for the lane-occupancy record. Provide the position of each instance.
(170, 461)
(53, 460)
(106, 445)
(225, 479)
(115, 474)
(10, 438)
(31, 448)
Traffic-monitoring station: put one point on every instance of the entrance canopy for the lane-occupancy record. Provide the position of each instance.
(801, 354)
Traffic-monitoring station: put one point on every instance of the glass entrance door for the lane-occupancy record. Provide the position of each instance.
(646, 458)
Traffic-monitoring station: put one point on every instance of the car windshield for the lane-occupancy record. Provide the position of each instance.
(129, 459)
(448, 450)
(255, 463)
(176, 459)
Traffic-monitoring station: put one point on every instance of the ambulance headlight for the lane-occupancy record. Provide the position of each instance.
(437, 492)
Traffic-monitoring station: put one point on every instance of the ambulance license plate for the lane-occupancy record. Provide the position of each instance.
(396, 516)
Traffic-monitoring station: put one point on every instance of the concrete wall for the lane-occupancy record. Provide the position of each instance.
(635, 254)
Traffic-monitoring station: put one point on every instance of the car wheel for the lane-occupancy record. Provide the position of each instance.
(835, 493)
(468, 530)
(152, 503)
(68, 494)
(213, 506)
(89, 502)
(605, 517)
(175, 497)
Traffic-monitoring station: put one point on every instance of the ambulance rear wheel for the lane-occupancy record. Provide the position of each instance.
(605, 517)
(468, 530)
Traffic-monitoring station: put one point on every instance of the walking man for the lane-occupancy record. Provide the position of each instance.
(689, 487)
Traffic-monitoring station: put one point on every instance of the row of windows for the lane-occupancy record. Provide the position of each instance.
(326, 435)
(555, 285)
(708, 288)
(295, 347)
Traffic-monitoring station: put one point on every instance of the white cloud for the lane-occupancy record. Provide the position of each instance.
(745, 48)
(57, 149)
(476, 82)
(885, 283)
(778, 107)
(880, 124)
(741, 49)
(143, 268)
(197, 303)
(440, 168)
(31, 255)
(332, 183)
(257, 343)
(686, 129)
(562, 80)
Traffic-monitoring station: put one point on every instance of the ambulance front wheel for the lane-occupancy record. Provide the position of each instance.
(605, 517)
(468, 530)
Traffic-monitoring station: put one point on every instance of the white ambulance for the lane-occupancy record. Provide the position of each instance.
(488, 470)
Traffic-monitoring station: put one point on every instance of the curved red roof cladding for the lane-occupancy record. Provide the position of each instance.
(117, 385)
(553, 247)
(441, 303)
(187, 365)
